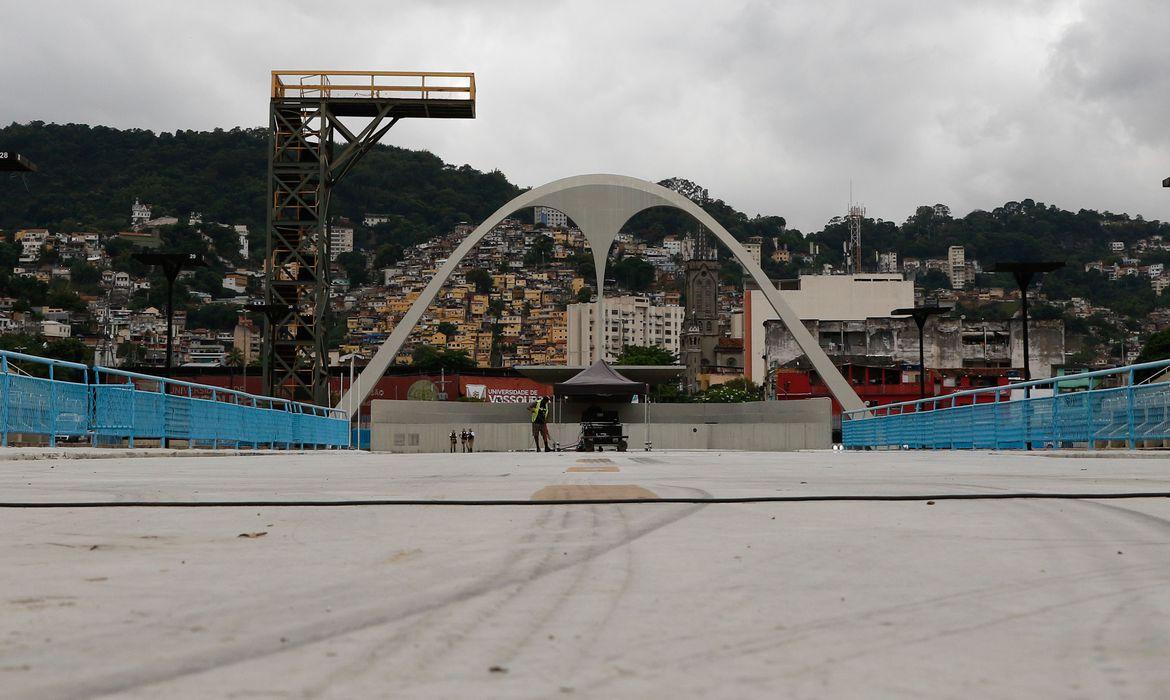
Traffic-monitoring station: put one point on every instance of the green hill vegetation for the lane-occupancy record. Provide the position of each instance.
(89, 176)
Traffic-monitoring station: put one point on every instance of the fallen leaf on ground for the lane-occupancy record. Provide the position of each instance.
(252, 535)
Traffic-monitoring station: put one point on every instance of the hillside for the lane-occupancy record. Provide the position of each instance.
(89, 176)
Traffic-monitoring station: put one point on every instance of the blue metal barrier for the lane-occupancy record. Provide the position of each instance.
(1102, 407)
(44, 406)
(131, 406)
(119, 406)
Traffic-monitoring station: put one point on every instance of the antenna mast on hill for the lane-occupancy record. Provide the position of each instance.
(853, 245)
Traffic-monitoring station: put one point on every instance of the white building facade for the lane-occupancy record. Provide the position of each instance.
(629, 320)
(821, 298)
(957, 266)
(340, 240)
(544, 216)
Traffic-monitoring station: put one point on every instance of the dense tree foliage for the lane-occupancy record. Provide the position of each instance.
(69, 349)
(1156, 348)
(482, 280)
(633, 274)
(354, 265)
(431, 359)
(217, 317)
(646, 355)
(89, 176)
(540, 253)
(737, 390)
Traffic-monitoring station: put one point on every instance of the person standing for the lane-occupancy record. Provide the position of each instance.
(463, 439)
(540, 422)
(453, 438)
(470, 440)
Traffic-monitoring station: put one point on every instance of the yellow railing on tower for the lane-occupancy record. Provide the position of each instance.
(358, 84)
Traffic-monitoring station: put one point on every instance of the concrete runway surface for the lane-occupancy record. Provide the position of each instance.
(973, 598)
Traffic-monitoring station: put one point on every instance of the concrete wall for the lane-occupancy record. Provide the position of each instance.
(836, 297)
(769, 426)
(949, 343)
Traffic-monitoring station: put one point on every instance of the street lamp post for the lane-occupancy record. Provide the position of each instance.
(172, 264)
(1023, 272)
(920, 314)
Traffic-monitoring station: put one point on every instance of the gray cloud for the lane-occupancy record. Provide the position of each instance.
(773, 106)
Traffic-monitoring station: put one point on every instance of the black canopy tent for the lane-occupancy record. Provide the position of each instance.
(599, 380)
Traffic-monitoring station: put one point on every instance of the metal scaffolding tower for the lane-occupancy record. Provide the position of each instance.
(853, 247)
(311, 150)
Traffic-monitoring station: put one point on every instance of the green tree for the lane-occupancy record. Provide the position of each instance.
(1157, 347)
(584, 295)
(60, 296)
(428, 358)
(354, 264)
(633, 274)
(934, 280)
(387, 255)
(448, 329)
(737, 390)
(482, 280)
(217, 317)
(541, 252)
(84, 276)
(646, 355)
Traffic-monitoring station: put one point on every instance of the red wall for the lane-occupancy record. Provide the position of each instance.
(397, 387)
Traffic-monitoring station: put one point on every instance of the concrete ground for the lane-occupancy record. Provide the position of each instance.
(973, 598)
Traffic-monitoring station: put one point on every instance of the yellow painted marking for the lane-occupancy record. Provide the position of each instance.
(563, 492)
(594, 469)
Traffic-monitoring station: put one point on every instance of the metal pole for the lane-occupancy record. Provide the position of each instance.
(921, 358)
(53, 409)
(358, 421)
(7, 398)
(1131, 441)
(170, 321)
(1024, 313)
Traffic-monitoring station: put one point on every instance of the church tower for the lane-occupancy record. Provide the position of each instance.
(701, 318)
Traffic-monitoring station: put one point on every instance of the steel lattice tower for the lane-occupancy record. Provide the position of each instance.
(310, 150)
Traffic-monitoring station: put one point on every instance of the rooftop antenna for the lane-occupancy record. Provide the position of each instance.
(853, 248)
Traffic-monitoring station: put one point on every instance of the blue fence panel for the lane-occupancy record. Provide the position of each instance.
(117, 407)
(1132, 414)
(52, 406)
(210, 416)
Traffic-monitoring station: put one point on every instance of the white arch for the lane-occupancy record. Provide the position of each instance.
(600, 205)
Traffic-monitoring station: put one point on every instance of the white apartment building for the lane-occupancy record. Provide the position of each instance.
(957, 266)
(242, 239)
(629, 320)
(340, 240)
(551, 218)
(753, 248)
(30, 241)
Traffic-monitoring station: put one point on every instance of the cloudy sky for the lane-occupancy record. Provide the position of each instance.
(774, 106)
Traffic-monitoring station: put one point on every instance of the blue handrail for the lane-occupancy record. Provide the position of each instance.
(105, 410)
(42, 406)
(1129, 412)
